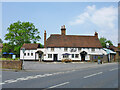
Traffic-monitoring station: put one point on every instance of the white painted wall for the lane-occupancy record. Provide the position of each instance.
(61, 51)
(28, 57)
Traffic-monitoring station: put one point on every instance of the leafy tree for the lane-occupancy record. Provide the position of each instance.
(20, 33)
(7, 48)
(1, 40)
(103, 42)
(41, 46)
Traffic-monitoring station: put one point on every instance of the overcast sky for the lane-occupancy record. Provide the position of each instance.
(80, 18)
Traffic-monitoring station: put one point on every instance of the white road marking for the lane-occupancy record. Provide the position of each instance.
(59, 85)
(2, 83)
(93, 75)
(113, 69)
(8, 80)
(33, 77)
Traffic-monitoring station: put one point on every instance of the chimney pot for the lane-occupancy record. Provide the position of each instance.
(63, 30)
(96, 34)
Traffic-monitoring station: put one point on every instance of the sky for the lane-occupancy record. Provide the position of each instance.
(80, 18)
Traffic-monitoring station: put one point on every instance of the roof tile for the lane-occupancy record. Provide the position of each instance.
(73, 41)
(30, 46)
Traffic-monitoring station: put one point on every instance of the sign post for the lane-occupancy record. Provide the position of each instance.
(23, 49)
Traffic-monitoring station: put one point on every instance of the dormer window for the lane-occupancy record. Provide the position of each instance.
(52, 49)
(65, 49)
(79, 49)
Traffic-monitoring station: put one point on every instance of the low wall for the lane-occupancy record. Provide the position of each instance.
(7, 64)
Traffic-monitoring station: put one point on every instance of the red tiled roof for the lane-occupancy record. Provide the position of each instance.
(30, 46)
(56, 40)
(1, 45)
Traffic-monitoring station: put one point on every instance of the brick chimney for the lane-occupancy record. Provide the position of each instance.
(63, 30)
(96, 34)
(45, 39)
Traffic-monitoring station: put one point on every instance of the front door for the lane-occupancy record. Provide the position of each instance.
(55, 57)
(83, 57)
(83, 54)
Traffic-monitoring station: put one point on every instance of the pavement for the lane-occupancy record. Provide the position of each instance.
(70, 75)
(57, 66)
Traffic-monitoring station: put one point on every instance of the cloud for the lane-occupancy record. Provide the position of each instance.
(104, 18)
(80, 19)
(97, 16)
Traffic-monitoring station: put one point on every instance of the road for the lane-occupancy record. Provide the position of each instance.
(98, 76)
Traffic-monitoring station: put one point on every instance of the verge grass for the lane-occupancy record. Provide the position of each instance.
(9, 59)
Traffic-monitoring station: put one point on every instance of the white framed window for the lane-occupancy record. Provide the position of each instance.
(28, 54)
(65, 56)
(52, 49)
(76, 55)
(73, 56)
(65, 49)
(31, 54)
(49, 55)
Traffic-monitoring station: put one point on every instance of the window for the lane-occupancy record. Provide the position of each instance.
(65, 49)
(52, 49)
(101, 56)
(79, 49)
(76, 55)
(93, 49)
(49, 55)
(95, 57)
(65, 56)
(73, 55)
(31, 54)
(28, 54)
(24, 54)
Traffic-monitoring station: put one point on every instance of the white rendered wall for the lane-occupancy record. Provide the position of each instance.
(61, 51)
(28, 57)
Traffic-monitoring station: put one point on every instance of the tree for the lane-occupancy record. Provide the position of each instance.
(20, 33)
(1, 40)
(7, 48)
(103, 42)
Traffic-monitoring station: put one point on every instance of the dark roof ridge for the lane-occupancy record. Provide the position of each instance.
(73, 35)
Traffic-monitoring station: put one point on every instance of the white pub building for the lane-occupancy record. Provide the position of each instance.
(60, 46)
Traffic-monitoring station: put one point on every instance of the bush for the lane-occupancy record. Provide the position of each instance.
(66, 60)
(98, 57)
